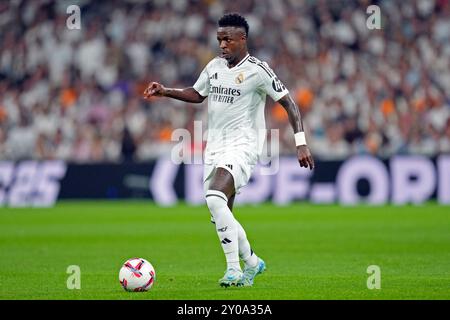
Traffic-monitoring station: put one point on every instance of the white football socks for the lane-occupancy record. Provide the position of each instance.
(226, 226)
(245, 251)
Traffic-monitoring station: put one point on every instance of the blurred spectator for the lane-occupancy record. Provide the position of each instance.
(76, 94)
(128, 146)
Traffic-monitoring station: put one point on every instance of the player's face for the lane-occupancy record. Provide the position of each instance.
(231, 42)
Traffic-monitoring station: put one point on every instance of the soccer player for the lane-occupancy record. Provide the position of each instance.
(236, 85)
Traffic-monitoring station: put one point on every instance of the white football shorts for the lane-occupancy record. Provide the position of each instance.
(239, 163)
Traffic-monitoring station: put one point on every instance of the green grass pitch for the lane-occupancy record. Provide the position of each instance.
(311, 251)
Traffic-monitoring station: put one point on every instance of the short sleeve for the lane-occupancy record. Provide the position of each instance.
(202, 83)
(270, 84)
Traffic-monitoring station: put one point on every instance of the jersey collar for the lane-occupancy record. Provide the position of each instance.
(240, 62)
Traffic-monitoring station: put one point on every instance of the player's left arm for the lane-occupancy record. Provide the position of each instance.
(303, 154)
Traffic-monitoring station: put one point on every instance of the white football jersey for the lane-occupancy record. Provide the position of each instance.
(236, 100)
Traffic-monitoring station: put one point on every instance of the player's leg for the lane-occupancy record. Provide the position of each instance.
(253, 265)
(231, 202)
(220, 190)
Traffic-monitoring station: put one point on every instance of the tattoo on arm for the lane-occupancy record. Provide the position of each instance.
(293, 112)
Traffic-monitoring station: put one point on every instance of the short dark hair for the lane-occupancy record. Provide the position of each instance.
(234, 20)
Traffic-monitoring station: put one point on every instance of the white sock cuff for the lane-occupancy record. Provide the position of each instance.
(217, 193)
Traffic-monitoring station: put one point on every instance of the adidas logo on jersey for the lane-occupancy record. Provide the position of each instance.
(214, 76)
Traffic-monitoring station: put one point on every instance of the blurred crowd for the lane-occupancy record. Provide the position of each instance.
(77, 94)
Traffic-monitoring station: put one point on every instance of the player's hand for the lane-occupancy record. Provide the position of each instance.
(154, 89)
(304, 157)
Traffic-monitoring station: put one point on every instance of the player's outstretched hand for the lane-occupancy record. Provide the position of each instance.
(154, 89)
(304, 157)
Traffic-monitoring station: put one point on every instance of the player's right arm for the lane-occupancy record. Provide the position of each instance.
(195, 94)
(158, 90)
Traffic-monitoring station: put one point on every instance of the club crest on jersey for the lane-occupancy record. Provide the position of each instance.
(240, 78)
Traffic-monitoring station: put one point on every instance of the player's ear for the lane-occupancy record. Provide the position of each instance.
(242, 35)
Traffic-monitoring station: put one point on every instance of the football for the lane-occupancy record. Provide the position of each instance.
(137, 275)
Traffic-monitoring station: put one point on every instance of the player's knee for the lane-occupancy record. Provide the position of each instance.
(215, 203)
(215, 200)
